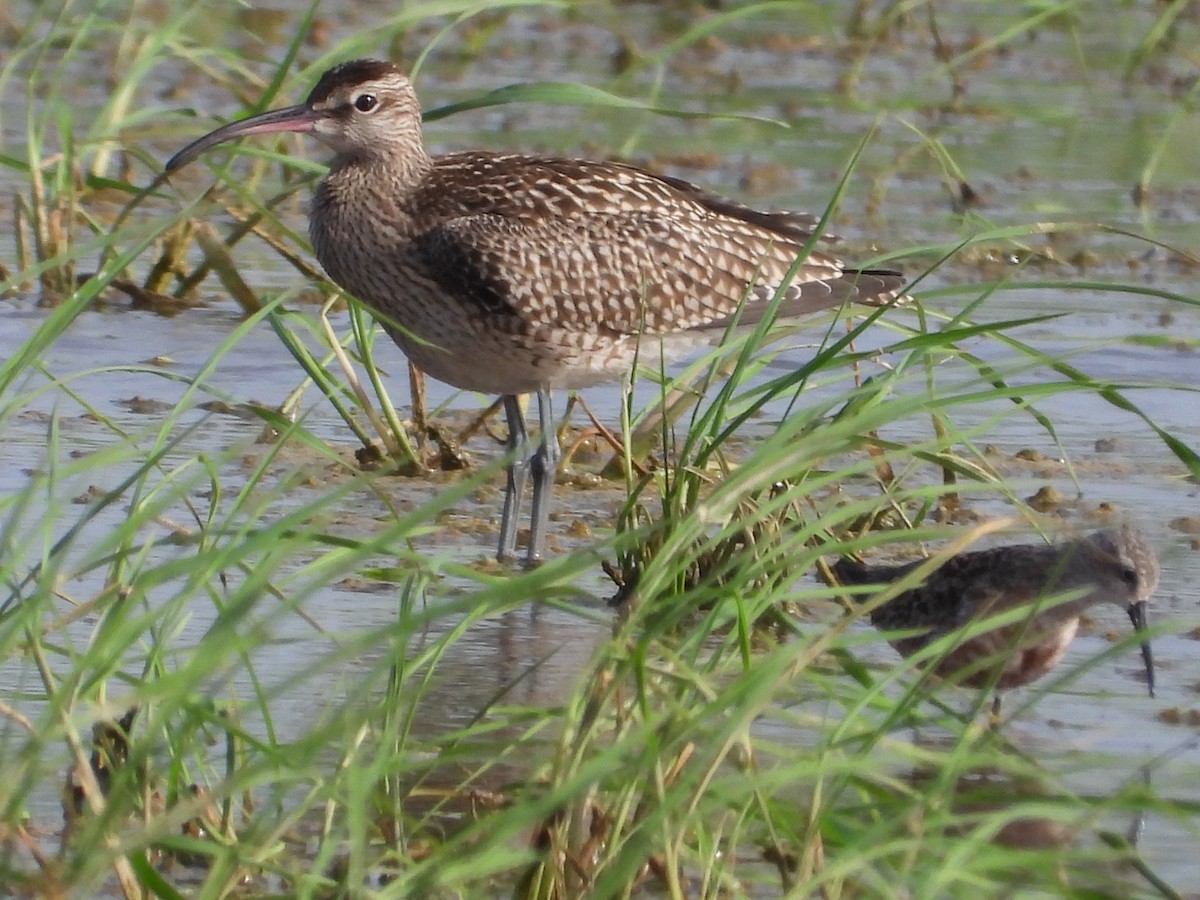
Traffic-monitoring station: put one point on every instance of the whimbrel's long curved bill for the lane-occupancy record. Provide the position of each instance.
(1137, 615)
(301, 117)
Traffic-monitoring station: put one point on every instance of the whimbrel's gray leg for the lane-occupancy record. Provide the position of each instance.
(518, 469)
(544, 465)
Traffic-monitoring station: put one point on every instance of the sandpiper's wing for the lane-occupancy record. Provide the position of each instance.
(962, 589)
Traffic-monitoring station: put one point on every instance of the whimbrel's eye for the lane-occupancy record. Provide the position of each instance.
(1129, 575)
(365, 102)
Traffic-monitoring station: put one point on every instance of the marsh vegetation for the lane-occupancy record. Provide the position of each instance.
(253, 642)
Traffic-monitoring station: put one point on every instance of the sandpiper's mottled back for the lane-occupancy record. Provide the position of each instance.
(1115, 565)
(511, 274)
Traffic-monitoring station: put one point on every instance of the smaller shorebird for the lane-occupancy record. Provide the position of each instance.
(515, 274)
(1115, 565)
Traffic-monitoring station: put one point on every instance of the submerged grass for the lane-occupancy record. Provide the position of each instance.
(163, 623)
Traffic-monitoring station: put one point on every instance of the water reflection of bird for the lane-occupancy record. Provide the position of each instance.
(515, 274)
(1114, 566)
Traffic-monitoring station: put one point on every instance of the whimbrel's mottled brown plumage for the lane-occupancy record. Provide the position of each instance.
(514, 274)
(1115, 566)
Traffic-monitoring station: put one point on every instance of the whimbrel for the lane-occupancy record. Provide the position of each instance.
(1115, 565)
(513, 274)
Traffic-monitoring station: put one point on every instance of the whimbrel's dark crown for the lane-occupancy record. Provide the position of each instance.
(356, 71)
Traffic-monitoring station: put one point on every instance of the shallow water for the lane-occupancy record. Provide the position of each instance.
(1044, 139)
